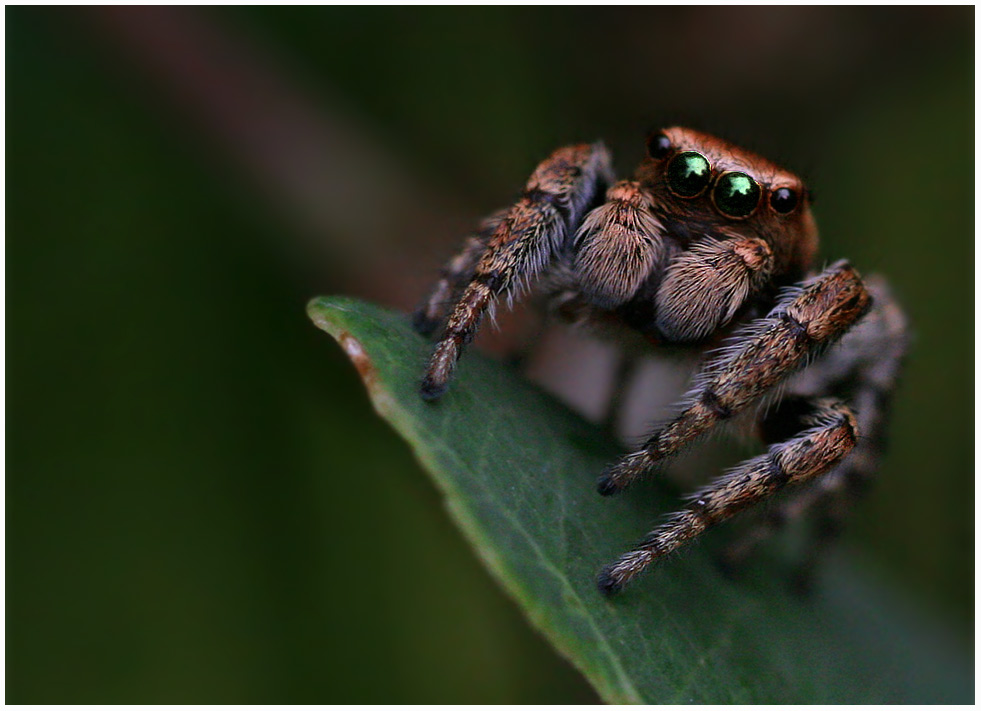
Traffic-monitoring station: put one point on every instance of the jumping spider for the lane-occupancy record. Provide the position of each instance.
(708, 241)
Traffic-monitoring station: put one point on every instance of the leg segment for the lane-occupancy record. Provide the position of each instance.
(832, 432)
(779, 422)
(706, 285)
(618, 246)
(803, 323)
(454, 275)
(864, 370)
(531, 235)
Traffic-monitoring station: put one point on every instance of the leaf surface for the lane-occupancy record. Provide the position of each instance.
(518, 470)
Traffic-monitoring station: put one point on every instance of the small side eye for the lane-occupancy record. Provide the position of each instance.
(688, 174)
(736, 195)
(658, 145)
(784, 200)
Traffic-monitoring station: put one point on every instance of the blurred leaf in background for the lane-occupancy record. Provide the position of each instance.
(196, 484)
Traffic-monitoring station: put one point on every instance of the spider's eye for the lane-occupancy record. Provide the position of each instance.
(783, 200)
(658, 145)
(688, 174)
(736, 195)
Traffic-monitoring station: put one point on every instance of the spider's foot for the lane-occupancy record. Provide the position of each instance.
(613, 577)
(441, 366)
(431, 390)
(608, 583)
(618, 476)
(606, 484)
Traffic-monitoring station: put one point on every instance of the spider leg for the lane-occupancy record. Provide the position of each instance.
(734, 557)
(820, 497)
(831, 432)
(529, 237)
(864, 369)
(454, 275)
(804, 322)
(828, 502)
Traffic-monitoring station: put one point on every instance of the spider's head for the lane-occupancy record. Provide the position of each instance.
(703, 185)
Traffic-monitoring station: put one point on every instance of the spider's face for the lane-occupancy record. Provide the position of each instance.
(703, 185)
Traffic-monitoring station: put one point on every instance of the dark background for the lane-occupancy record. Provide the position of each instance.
(201, 506)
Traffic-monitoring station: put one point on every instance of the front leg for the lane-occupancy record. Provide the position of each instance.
(830, 433)
(805, 321)
(454, 276)
(864, 369)
(522, 245)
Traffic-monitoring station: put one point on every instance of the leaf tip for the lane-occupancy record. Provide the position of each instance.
(316, 308)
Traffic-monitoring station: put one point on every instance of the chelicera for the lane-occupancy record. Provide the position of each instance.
(707, 244)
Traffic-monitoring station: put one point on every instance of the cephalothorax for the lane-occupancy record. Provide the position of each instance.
(706, 241)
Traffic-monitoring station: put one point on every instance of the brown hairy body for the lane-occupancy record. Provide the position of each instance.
(707, 240)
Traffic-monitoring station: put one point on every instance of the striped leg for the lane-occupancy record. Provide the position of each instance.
(806, 321)
(864, 369)
(533, 232)
(454, 276)
(831, 434)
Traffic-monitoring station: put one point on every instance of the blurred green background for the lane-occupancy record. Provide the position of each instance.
(201, 506)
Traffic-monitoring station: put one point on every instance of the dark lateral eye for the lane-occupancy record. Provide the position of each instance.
(736, 195)
(658, 145)
(783, 200)
(688, 174)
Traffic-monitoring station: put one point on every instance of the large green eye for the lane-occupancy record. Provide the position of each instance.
(736, 195)
(688, 174)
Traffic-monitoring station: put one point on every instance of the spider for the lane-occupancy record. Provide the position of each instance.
(708, 247)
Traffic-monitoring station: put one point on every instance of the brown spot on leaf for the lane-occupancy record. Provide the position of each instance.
(355, 351)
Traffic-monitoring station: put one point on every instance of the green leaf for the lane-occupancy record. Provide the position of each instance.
(518, 471)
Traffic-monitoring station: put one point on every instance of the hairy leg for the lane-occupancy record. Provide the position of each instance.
(454, 275)
(831, 433)
(804, 322)
(531, 235)
(864, 370)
